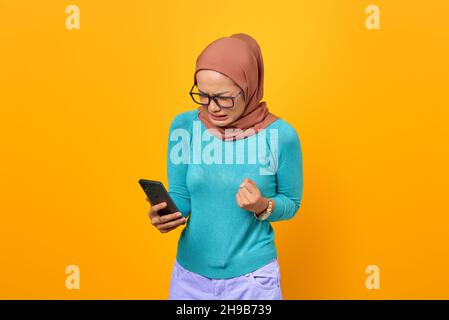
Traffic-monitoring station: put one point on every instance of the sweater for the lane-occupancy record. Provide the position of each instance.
(220, 239)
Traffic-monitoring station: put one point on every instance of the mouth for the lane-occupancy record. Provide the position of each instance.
(217, 117)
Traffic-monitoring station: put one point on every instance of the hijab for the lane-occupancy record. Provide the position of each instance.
(238, 57)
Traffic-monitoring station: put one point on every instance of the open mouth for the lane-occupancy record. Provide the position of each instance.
(217, 117)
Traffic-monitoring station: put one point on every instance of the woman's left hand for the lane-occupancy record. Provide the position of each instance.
(249, 197)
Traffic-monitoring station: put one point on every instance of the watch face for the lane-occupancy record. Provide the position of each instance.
(264, 215)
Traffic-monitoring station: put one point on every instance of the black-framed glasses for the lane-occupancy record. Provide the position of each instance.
(205, 99)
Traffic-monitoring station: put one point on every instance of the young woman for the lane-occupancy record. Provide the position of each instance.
(233, 168)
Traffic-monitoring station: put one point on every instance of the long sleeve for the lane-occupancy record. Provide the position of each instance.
(177, 163)
(289, 177)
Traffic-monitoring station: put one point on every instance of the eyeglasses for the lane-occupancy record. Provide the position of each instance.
(205, 99)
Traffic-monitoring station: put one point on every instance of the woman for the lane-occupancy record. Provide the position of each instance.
(233, 167)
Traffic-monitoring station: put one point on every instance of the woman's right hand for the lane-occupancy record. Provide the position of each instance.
(166, 222)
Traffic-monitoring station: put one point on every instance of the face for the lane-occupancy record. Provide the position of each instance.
(214, 83)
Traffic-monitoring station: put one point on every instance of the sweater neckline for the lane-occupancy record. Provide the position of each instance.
(203, 128)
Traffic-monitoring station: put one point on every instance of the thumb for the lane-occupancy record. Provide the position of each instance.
(251, 182)
(245, 181)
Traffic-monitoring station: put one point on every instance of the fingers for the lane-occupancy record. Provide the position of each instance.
(169, 217)
(250, 185)
(246, 195)
(166, 222)
(242, 198)
(244, 182)
(165, 227)
(154, 209)
(169, 229)
(157, 219)
(238, 199)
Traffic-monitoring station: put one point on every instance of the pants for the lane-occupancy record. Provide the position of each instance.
(261, 284)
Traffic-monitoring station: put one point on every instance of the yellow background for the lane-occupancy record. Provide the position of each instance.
(85, 114)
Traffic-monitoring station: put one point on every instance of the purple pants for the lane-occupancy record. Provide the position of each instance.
(261, 284)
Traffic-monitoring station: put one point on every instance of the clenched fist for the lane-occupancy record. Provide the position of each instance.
(249, 197)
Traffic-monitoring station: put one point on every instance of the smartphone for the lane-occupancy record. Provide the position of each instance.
(157, 193)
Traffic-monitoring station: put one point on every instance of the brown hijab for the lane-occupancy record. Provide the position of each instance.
(238, 57)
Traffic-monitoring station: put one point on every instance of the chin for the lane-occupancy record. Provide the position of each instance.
(220, 123)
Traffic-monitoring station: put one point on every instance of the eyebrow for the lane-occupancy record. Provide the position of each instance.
(216, 94)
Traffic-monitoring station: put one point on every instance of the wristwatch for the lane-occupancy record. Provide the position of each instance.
(265, 214)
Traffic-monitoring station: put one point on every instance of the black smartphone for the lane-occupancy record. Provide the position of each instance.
(157, 193)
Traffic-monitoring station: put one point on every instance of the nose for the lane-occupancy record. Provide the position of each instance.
(213, 106)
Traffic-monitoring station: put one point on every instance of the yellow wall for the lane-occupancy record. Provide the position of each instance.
(85, 114)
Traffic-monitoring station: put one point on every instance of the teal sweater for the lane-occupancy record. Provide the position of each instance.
(220, 239)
